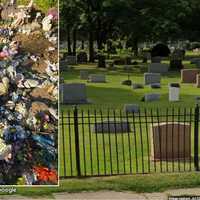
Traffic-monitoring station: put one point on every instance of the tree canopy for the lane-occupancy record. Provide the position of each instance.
(135, 20)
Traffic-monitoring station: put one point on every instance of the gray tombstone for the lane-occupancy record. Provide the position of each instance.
(131, 108)
(156, 59)
(195, 60)
(97, 78)
(84, 75)
(127, 67)
(155, 85)
(198, 64)
(127, 82)
(64, 66)
(158, 68)
(151, 97)
(71, 60)
(150, 78)
(111, 127)
(137, 86)
(74, 93)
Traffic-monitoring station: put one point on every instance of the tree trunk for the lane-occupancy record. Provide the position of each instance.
(101, 61)
(69, 41)
(82, 45)
(91, 46)
(74, 42)
(135, 46)
(176, 65)
(99, 36)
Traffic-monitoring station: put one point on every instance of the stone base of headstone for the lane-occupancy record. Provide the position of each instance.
(170, 141)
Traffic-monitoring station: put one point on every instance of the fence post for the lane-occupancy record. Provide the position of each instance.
(77, 149)
(196, 139)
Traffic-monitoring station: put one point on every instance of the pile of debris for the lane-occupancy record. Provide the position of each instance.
(28, 96)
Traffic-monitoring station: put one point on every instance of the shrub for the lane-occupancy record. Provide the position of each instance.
(161, 50)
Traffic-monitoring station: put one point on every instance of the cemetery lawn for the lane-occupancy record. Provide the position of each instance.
(114, 95)
(135, 183)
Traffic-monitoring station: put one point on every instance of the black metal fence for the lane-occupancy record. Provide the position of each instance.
(112, 142)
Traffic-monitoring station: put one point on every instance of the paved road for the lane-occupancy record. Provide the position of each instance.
(111, 195)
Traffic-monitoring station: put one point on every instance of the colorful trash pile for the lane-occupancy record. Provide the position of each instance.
(28, 96)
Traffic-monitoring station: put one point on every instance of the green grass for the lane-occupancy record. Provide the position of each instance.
(115, 95)
(123, 153)
(136, 183)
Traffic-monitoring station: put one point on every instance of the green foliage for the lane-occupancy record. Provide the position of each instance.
(135, 20)
(44, 5)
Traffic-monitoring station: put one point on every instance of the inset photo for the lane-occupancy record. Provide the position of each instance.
(29, 92)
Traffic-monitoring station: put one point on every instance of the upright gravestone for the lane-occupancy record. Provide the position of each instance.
(174, 92)
(189, 75)
(84, 75)
(64, 66)
(97, 78)
(151, 97)
(198, 64)
(131, 108)
(111, 127)
(171, 141)
(156, 59)
(74, 93)
(150, 78)
(71, 60)
(137, 86)
(158, 68)
(195, 61)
